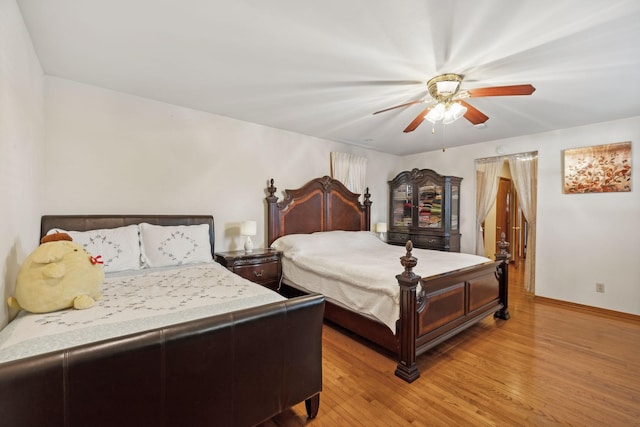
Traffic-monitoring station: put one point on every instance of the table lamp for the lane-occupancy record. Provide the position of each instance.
(248, 228)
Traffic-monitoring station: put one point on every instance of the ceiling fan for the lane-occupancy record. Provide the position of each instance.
(448, 102)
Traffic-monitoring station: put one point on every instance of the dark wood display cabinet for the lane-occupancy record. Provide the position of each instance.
(262, 266)
(424, 207)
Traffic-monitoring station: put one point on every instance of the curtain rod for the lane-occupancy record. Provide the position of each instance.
(491, 159)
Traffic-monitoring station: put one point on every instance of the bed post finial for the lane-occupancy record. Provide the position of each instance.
(408, 261)
(271, 189)
(503, 246)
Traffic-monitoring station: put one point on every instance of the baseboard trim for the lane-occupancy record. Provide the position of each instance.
(612, 314)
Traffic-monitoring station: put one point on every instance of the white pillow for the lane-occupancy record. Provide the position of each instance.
(291, 242)
(294, 244)
(174, 245)
(119, 247)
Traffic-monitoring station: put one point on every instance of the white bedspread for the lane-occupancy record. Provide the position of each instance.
(132, 302)
(365, 267)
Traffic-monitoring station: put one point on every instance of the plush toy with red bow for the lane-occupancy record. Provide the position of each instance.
(59, 274)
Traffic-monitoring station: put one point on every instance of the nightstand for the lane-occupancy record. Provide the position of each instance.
(261, 266)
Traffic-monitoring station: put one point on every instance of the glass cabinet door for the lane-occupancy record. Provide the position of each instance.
(455, 206)
(403, 205)
(430, 205)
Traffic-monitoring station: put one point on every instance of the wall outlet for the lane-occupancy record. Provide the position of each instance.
(600, 287)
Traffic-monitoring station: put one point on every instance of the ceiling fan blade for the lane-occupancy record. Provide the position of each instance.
(359, 83)
(389, 82)
(502, 91)
(416, 122)
(399, 106)
(474, 115)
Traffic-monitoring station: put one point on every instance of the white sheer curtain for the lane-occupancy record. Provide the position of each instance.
(488, 178)
(351, 170)
(524, 173)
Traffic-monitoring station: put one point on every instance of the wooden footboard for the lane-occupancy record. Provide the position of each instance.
(444, 306)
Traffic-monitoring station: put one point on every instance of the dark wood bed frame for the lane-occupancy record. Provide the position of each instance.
(234, 369)
(447, 303)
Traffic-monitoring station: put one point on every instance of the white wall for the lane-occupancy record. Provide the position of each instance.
(21, 146)
(582, 238)
(108, 152)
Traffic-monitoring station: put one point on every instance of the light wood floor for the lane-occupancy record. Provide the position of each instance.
(548, 365)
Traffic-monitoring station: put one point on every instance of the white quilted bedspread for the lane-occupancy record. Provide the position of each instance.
(133, 302)
(358, 270)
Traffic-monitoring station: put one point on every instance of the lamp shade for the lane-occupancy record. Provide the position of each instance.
(453, 113)
(436, 113)
(248, 228)
(381, 227)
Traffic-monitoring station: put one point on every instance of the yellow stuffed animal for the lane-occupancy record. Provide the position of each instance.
(59, 274)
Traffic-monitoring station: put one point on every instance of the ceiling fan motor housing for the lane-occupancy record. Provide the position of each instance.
(444, 87)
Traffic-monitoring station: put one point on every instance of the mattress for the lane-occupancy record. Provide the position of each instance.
(358, 271)
(135, 301)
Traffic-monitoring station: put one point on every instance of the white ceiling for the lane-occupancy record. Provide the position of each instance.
(321, 68)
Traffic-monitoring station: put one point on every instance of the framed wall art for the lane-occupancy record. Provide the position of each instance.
(598, 169)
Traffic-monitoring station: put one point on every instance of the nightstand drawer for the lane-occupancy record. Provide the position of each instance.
(261, 266)
(259, 273)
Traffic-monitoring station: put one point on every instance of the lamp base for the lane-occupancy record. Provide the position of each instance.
(248, 245)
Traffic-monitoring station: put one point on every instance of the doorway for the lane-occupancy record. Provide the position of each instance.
(509, 220)
(505, 212)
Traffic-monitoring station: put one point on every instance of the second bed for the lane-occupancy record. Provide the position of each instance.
(404, 303)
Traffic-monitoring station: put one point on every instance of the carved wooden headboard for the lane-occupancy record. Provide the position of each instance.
(322, 204)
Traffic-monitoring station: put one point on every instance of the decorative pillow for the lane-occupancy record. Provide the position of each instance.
(119, 247)
(174, 245)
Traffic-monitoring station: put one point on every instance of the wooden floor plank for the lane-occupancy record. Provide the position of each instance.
(550, 364)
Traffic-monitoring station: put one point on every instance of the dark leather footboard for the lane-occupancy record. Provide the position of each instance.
(235, 369)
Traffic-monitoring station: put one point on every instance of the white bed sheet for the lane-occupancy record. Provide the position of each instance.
(135, 301)
(358, 270)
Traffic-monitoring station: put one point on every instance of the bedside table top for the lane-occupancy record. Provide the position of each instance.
(256, 253)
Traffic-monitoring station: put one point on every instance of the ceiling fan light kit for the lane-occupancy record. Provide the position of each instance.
(443, 88)
(449, 105)
(448, 113)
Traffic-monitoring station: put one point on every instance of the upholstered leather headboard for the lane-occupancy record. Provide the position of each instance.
(94, 222)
